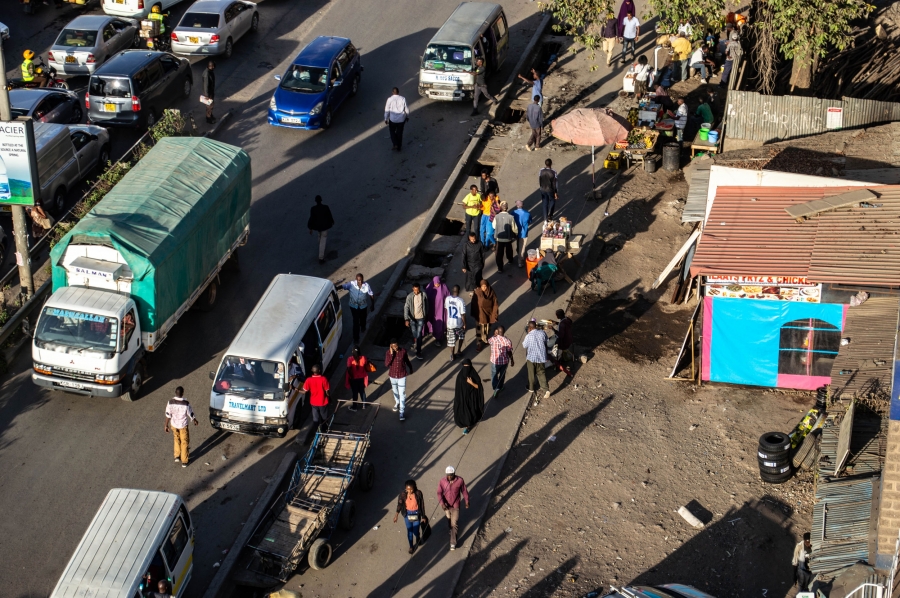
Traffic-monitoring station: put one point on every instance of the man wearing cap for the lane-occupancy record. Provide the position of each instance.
(451, 491)
(523, 219)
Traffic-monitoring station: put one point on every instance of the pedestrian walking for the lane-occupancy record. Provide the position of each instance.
(641, 76)
(631, 31)
(627, 8)
(361, 300)
(610, 34)
(398, 364)
(489, 184)
(535, 344)
(178, 415)
(208, 82)
(415, 312)
(681, 46)
(800, 561)
(485, 308)
(537, 85)
(357, 377)
(473, 205)
(411, 504)
(548, 180)
(468, 400)
(320, 220)
(566, 335)
(450, 494)
(487, 220)
(317, 391)
(523, 219)
(473, 261)
(455, 314)
(435, 324)
(501, 359)
(480, 86)
(396, 113)
(505, 233)
(535, 117)
(733, 52)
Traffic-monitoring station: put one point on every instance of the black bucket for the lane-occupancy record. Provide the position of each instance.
(650, 162)
(671, 157)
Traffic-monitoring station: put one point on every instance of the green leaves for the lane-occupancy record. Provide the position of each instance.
(581, 19)
(808, 28)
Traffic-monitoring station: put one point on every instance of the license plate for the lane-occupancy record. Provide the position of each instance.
(291, 119)
(233, 427)
(194, 40)
(120, 1)
(74, 385)
(109, 107)
(70, 59)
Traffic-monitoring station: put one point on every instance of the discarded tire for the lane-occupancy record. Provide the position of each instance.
(774, 446)
(775, 479)
(777, 470)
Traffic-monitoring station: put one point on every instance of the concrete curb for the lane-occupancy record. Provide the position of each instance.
(224, 573)
(527, 55)
(221, 122)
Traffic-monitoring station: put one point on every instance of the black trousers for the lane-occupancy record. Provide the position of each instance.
(396, 130)
(472, 279)
(359, 322)
(504, 247)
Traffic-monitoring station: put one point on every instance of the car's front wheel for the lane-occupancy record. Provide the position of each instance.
(326, 119)
(354, 88)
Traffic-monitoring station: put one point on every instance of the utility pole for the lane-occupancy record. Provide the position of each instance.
(20, 223)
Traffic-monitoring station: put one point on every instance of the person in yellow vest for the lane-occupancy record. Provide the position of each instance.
(29, 74)
(473, 205)
(156, 15)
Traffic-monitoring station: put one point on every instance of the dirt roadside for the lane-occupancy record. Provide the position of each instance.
(588, 495)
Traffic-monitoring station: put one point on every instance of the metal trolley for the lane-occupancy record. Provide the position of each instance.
(302, 519)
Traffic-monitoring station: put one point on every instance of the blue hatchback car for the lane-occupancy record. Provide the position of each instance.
(322, 76)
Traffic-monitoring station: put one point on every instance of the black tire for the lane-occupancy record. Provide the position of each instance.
(186, 88)
(355, 88)
(135, 383)
(319, 554)
(208, 300)
(779, 470)
(326, 119)
(773, 464)
(229, 48)
(233, 264)
(254, 23)
(59, 201)
(103, 158)
(774, 445)
(775, 479)
(138, 40)
(348, 515)
(366, 476)
(79, 114)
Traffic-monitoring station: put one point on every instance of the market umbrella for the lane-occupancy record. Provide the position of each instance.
(591, 126)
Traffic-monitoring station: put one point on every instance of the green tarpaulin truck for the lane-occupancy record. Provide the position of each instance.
(147, 252)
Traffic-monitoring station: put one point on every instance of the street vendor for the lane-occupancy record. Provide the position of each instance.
(704, 112)
(681, 117)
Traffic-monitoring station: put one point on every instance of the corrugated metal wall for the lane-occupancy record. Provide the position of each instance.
(756, 117)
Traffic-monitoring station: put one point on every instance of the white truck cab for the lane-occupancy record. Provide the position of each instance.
(88, 337)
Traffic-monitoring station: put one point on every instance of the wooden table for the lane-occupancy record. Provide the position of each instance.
(704, 146)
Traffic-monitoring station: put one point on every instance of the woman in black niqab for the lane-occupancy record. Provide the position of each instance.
(468, 401)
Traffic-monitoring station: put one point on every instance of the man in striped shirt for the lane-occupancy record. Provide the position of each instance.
(179, 414)
(501, 358)
(535, 344)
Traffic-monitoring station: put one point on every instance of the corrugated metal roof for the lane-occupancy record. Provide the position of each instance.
(868, 358)
(748, 232)
(695, 205)
(859, 245)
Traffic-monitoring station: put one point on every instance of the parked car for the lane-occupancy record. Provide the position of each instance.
(135, 86)
(89, 41)
(320, 78)
(212, 26)
(670, 590)
(46, 105)
(136, 9)
(4, 33)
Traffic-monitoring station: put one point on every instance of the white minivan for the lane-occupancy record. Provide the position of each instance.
(297, 319)
(137, 537)
(136, 9)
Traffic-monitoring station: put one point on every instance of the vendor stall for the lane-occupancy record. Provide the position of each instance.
(706, 140)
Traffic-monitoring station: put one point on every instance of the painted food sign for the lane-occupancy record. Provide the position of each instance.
(771, 288)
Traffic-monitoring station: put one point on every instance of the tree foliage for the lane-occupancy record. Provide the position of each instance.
(701, 14)
(581, 19)
(807, 28)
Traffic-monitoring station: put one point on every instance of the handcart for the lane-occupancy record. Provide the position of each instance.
(300, 522)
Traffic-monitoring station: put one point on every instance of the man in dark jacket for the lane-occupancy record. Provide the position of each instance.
(320, 220)
(473, 262)
(208, 79)
(488, 184)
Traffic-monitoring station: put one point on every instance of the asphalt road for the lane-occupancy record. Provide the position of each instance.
(60, 454)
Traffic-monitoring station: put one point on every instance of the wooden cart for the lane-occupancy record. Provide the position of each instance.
(637, 154)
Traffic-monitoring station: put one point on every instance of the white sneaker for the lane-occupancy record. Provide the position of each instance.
(702, 81)
(528, 147)
(402, 417)
(547, 395)
(395, 408)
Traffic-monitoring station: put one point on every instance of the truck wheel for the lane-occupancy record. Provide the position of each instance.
(233, 264)
(319, 554)
(59, 201)
(135, 381)
(209, 297)
(348, 515)
(366, 476)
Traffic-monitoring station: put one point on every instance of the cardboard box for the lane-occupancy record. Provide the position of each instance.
(552, 243)
(575, 241)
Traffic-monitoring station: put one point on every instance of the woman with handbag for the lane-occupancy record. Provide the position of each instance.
(357, 378)
(411, 504)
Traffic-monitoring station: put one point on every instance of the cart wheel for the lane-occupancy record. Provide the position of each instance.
(319, 554)
(366, 476)
(348, 515)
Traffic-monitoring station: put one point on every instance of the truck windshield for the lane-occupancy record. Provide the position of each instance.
(72, 331)
(444, 57)
(250, 378)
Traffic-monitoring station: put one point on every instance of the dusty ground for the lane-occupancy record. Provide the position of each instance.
(589, 492)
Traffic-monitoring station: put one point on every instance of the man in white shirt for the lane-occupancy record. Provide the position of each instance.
(455, 314)
(685, 27)
(360, 300)
(631, 30)
(800, 561)
(681, 118)
(178, 415)
(396, 113)
(700, 61)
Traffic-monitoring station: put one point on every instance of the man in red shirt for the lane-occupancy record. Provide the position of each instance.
(318, 391)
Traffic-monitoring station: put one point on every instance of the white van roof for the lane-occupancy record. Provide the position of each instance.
(271, 330)
(465, 23)
(119, 545)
